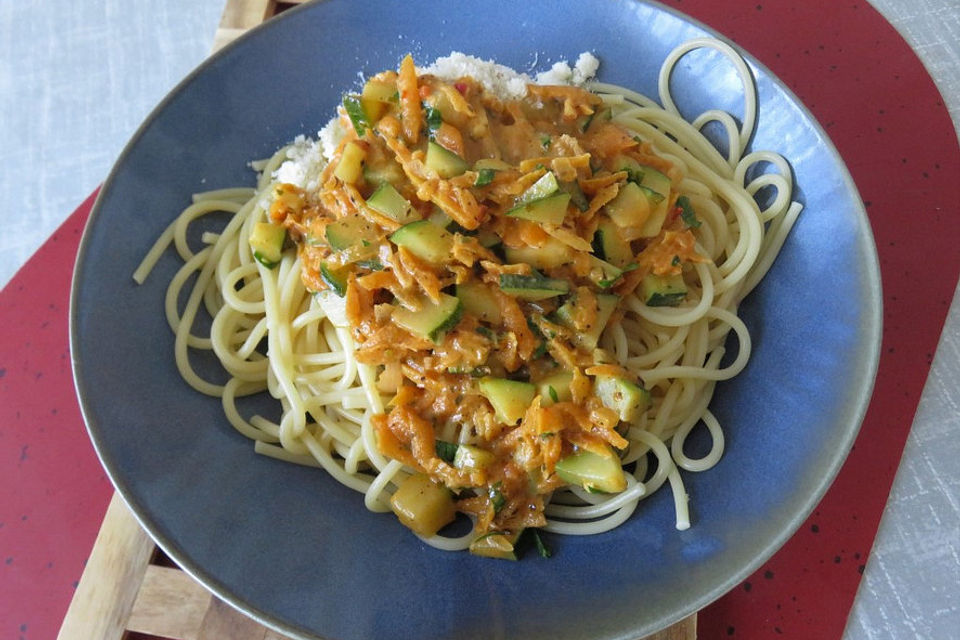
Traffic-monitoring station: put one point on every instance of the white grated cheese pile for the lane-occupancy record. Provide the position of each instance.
(307, 157)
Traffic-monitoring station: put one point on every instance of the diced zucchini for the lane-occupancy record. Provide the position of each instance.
(510, 398)
(555, 388)
(388, 201)
(423, 505)
(533, 287)
(440, 218)
(656, 180)
(350, 167)
(593, 472)
(431, 319)
(542, 201)
(635, 170)
(625, 397)
(553, 253)
(425, 240)
(496, 544)
(545, 186)
(491, 163)
(663, 291)
(577, 197)
(479, 301)
(446, 163)
(471, 458)
(336, 279)
(349, 232)
(376, 98)
(604, 273)
(630, 208)
(552, 209)
(266, 241)
(588, 337)
(380, 172)
(609, 244)
(657, 189)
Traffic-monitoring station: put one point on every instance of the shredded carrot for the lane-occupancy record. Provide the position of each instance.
(410, 107)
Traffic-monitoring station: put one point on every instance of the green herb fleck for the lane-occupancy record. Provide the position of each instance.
(486, 332)
(496, 497)
(542, 549)
(354, 109)
(446, 450)
(484, 177)
(434, 120)
(687, 214)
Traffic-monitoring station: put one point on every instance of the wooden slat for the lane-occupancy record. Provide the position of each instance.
(170, 604)
(105, 595)
(223, 621)
(686, 629)
(241, 15)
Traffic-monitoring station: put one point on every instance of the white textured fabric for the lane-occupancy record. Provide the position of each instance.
(77, 78)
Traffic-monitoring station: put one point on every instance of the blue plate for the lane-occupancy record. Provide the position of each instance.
(300, 552)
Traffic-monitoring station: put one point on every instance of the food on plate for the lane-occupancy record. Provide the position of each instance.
(479, 293)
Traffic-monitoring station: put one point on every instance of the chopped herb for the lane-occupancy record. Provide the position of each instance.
(687, 214)
(354, 109)
(496, 497)
(480, 372)
(609, 282)
(676, 261)
(545, 141)
(547, 435)
(434, 120)
(446, 450)
(486, 332)
(633, 174)
(542, 549)
(484, 177)
(373, 265)
(553, 393)
(540, 351)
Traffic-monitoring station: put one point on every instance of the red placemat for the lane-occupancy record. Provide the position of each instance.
(891, 127)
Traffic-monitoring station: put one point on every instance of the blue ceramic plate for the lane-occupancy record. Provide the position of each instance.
(300, 552)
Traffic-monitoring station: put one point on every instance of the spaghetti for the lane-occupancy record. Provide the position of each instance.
(362, 409)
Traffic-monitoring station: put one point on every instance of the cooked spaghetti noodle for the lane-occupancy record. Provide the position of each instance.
(336, 407)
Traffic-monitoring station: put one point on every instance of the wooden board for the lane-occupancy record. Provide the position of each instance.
(129, 590)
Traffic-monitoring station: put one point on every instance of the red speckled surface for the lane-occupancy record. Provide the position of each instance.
(884, 114)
